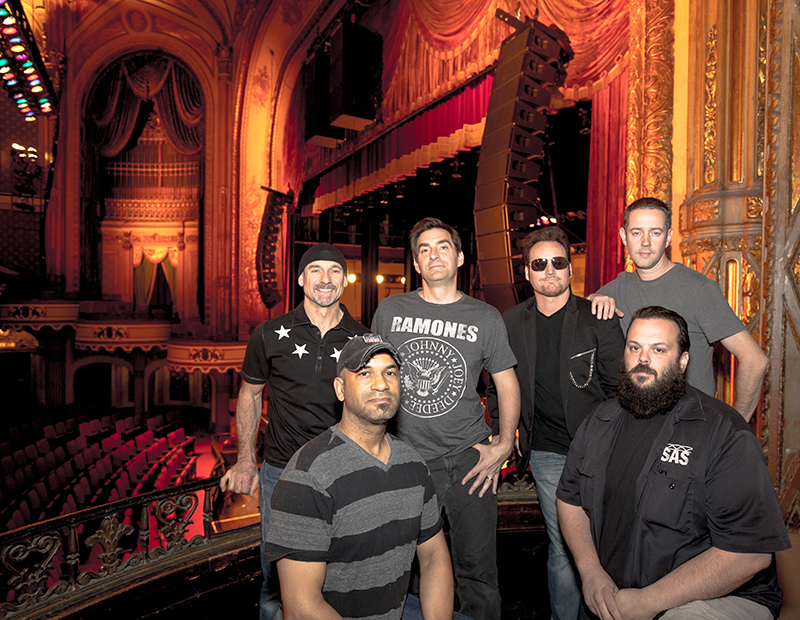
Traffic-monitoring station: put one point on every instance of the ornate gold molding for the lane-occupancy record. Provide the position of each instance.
(772, 314)
(751, 292)
(762, 90)
(205, 356)
(755, 206)
(751, 243)
(710, 110)
(704, 211)
(650, 88)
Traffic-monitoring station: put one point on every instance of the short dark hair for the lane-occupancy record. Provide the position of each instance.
(429, 223)
(659, 312)
(550, 233)
(649, 203)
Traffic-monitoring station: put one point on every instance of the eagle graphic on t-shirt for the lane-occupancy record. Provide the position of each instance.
(424, 376)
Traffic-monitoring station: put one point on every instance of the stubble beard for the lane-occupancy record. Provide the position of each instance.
(655, 398)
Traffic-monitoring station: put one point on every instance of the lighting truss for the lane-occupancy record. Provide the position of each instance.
(21, 68)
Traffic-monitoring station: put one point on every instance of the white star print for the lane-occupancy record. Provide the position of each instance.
(282, 332)
(336, 353)
(300, 351)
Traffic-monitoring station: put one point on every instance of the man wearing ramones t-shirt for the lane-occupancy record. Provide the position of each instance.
(445, 338)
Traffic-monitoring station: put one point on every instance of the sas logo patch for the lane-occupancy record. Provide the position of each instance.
(675, 453)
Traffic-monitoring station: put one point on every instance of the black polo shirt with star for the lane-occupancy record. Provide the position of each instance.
(298, 366)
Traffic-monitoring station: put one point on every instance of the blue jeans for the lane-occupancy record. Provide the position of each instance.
(267, 479)
(565, 594)
(473, 535)
(413, 610)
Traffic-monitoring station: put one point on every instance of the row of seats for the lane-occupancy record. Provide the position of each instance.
(138, 466)
(35, 477)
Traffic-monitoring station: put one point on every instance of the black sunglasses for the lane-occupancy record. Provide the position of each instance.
(540, 264)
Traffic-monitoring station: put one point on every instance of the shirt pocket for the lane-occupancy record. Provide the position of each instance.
(669, 499)
(581, 368)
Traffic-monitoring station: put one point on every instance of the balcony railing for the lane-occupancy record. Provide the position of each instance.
(52, 567)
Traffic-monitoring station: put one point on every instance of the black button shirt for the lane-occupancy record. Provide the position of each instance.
(298, 366)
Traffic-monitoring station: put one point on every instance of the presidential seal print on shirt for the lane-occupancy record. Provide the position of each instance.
(434, 377)
(444, 347)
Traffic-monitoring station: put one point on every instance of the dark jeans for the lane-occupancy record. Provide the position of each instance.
(267, 479)
(473, 535)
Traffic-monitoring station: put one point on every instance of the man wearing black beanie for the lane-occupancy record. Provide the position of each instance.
(295, 355)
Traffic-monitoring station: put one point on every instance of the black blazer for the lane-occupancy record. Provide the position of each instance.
(591, 352)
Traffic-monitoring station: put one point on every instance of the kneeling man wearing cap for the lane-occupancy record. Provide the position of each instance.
(354, 505)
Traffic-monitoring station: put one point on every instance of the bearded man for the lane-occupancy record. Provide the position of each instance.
(665, 500)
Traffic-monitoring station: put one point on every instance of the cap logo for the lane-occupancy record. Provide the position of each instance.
(372, 339)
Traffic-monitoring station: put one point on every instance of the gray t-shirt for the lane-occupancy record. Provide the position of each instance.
(696, 298)
(444, 347)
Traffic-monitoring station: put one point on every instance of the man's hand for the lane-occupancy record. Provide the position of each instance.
(599, 591)
(241, 478)
(604, 307)
(633, 604)
(487, 470)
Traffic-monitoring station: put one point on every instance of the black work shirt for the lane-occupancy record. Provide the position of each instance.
(704, 484)
(298, 366)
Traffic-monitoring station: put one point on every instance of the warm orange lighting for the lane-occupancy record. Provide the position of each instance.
(379, 279)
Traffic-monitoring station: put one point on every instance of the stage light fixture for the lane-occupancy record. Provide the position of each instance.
(20, 58)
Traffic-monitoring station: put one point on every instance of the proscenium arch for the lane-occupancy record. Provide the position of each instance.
(91, 261)
(78, 88)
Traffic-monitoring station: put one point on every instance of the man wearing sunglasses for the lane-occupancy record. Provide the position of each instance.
(567, 363)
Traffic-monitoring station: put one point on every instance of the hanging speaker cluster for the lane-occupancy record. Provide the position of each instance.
(531, 65)
(267, 248)
(341, 81)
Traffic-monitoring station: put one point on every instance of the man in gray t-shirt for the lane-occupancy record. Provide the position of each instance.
(657, 281)
(445, 338)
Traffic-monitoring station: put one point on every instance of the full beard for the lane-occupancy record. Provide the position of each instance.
(656, 398)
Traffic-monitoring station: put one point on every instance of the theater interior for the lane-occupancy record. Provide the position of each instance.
(163, 166)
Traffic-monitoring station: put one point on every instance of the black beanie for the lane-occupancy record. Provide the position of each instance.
(322, 251)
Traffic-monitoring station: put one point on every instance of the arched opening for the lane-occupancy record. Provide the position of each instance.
(142, 176)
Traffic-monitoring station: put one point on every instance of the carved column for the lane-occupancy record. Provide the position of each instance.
(650, 81)
(721, 218)
(780, 323)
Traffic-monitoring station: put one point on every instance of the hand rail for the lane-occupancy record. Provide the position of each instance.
(74, 554)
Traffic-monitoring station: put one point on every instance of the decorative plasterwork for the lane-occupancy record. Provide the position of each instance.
(37, 315)
(704, 211)
(710, 110)
(755, 206)
(124, 335)
(205, 356)
(762, 89)
(650, 83)
(722, 244)
(772, 313)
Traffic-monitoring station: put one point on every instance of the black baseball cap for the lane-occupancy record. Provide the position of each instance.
(360, 350)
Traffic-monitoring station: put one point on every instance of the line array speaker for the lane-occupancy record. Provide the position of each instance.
(532, 63)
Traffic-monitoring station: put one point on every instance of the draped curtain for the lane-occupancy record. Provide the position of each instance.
(116, 99)
(433, 47)
(604, 255)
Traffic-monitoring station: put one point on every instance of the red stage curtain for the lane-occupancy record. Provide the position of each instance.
(604, 258)
(453, 125)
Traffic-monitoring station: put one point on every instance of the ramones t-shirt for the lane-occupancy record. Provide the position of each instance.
(443, 348)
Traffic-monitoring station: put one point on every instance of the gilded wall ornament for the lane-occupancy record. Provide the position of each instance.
(755, 206)
(650, 84)
(751, 292)
(710, 110)
(705, 211)
(762, 89)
